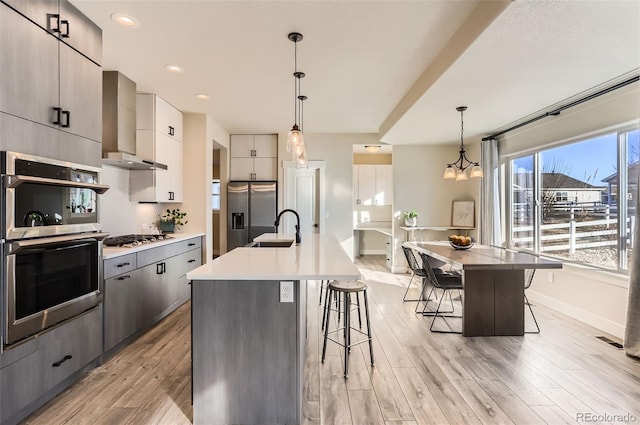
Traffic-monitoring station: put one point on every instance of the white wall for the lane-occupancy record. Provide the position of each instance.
(593, 296)
(336, 150)
(197, 155)
(418, 185)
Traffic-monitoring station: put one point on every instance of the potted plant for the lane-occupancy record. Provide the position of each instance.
(411, 218)
(171, 219)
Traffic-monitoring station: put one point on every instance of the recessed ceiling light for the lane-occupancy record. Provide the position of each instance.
(174, 68)
(126, 21)
(202, 96)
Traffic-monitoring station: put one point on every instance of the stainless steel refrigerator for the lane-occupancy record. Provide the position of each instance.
(252, 208)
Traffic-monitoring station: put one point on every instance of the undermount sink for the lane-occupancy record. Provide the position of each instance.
(271, 244)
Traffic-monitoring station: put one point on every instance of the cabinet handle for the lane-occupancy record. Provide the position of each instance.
(123, 264)
(164, 267)
(159, 268)
(358, 202)
(171, 131)
(124, 277)
(64, 359)
(253, 152)
(191, 261)
(64, 23)
(191, 244)
(67, 122)
(171, 196)
(253, 176)
(56, 115)
(53, 17)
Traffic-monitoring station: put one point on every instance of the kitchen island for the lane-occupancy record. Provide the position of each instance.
(249, 330)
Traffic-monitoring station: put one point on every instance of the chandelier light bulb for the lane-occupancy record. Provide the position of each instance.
(476, 172)
(461, 175)
(449, 173)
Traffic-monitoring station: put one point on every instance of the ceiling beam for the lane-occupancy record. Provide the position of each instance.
(478, 20)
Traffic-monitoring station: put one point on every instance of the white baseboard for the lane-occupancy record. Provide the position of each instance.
(585, 316)
(373, 252)
(398, 269)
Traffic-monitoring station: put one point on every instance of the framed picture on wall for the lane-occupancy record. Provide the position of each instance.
(463, 214)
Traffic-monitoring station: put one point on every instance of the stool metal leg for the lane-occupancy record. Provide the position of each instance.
(347, 333)
(366, 313)
(326, 329)
(359, 314)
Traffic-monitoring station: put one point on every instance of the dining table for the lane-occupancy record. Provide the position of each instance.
(493, 281)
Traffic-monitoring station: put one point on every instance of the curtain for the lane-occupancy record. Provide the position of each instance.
(632, 329)
(490, 195)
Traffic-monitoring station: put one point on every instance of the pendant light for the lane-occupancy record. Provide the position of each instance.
(458, 169)
(295, 139)
(301, 158)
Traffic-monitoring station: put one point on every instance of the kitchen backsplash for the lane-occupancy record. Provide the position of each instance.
(119, 215)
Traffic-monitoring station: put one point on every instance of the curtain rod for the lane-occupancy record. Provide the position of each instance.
(557, 111)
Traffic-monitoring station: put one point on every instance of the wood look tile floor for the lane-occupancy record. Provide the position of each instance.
(419, 377)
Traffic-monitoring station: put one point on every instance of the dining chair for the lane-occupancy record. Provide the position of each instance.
(416, 270)
(528, 279)
(447, 282)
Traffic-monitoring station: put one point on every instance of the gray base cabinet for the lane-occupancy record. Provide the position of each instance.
(34, 371)
(143, 287)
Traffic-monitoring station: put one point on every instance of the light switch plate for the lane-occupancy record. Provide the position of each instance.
(286, 291)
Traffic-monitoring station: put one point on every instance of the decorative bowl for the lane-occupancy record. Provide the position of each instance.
(461, 247)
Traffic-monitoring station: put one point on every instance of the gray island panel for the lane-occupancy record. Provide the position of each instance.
(248, 352)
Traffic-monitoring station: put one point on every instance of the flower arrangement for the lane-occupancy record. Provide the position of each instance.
(172, 218)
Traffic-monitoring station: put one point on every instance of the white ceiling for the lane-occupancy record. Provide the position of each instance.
(397, 68)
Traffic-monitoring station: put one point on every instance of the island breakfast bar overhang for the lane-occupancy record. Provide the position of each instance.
(493, 280)
(247, 345)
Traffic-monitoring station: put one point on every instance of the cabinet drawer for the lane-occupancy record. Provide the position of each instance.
(153, 255)
(119, 265)
(29, 378)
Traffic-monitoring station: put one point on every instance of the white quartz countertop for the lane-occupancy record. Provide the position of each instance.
(317, 257)
(115, 251)
(383, 227)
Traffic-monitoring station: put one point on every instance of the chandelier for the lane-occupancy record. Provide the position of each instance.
(458, 169)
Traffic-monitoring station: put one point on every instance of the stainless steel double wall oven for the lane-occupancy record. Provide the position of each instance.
(50, 247)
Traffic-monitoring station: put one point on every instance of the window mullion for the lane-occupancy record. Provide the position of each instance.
(537, 204)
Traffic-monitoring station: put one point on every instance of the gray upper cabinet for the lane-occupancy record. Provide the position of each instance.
(62, 20)
(43, 77)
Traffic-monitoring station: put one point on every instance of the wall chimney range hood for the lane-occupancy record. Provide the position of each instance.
(119, 124)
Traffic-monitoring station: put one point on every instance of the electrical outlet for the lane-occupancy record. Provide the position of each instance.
(286, 292)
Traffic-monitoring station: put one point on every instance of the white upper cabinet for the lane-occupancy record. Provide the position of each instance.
(254, 157)
(158, 138)
(373, 184)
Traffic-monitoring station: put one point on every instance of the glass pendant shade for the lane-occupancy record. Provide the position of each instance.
(294, 139)
(449, 172)
(461, 175)
(476, 172)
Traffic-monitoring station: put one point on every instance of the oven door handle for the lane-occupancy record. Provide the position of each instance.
(15, 181)
(17, 246)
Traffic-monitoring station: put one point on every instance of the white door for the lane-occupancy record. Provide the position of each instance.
(306, 200)
(303, 192)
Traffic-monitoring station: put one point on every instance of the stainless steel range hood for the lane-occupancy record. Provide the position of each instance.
(119, 124)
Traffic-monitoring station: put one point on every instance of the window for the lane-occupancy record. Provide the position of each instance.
(576, 202)
(215, 195)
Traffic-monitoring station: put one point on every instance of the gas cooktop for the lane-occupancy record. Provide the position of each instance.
(129, 241)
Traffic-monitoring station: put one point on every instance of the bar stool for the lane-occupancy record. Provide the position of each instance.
(344, 289)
